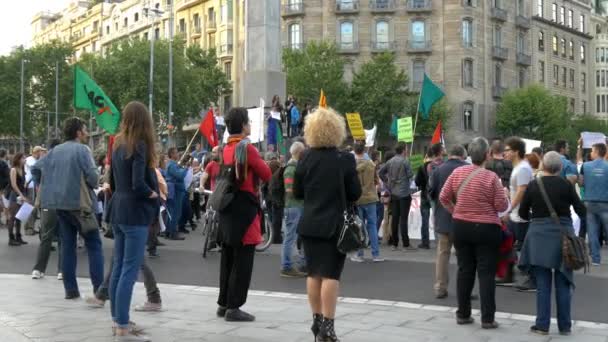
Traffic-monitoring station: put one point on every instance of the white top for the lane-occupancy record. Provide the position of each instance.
(522, 175)
(29, 162)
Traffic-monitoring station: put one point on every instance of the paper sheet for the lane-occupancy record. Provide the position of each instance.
(24, 212)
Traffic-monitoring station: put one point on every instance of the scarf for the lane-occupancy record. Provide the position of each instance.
(240, 155)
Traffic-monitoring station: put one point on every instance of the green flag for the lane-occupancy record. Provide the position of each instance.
(393, 130)
(429, 94)
(89, 96)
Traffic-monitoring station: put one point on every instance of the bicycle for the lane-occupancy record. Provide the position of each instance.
(266, 228)
(210, 226)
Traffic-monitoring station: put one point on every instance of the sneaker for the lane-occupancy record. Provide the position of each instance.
(595, 264)
(565, 333)
(357, 259)
(237, 315)
(490, 326)
(410, 248)
(536, 330)
(505, 282)
(424, 246)
(378, 259)
(292, 273)
(60, 276)
(394, 248)
(37, 274)
(131, 337)
(95, 303)
(465, 321)
(149, 307)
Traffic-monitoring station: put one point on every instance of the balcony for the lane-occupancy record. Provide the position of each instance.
(382, 6)
(419, 6)
(378, 47)
(225, 50)
(348, 47)
(196, 31)
(500, 52)
(523, 22)
(498, 92)
(524, 59)
(347, 6)
(294, 46)
(416, 46)
(293, 9)
(211, 25)
(499, 14)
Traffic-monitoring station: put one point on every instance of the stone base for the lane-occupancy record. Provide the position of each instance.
(262, 84)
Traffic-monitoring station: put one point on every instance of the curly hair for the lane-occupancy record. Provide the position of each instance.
(324, 128)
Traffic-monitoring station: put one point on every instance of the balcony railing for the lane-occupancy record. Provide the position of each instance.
(499, 14)
(498, 91)
(293, 9)
(382, 6)
(419, 5)
(348, 47)
(524, 59)
(523, 22)
(225, 50)
(500, 52)
(347, 6)
(417, 46)
(294, 46)
(383, 46)
(197, 29)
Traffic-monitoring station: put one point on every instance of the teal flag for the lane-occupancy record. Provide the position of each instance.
(429, 95)
(89, 96)
(393, 131)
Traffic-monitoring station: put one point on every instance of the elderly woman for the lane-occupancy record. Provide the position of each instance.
(475, 197)
(542, 250)
(326, 179)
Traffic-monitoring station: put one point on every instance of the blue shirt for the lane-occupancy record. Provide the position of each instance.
(595, 180)
(568, 168)
(175, 176)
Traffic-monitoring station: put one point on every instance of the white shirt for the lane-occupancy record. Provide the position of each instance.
(522, 175)
(29, 162)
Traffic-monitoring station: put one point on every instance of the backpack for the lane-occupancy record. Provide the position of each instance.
(502, 168)
(5, 172)
(225, 188)
(276, 187)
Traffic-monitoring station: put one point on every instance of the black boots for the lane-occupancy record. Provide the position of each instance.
(12, 241)
(20, 240)
(317, 321)
(326, 332)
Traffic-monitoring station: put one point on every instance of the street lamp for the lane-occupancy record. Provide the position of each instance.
(151, 13)
(21, 107)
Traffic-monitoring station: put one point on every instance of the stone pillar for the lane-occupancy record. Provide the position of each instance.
(263, 76)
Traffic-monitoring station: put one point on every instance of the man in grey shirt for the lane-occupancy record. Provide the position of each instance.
(397, 175)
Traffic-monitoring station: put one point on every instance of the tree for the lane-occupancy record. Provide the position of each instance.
(378, 91)
(534, 113)
(318, 66)
(439, 111)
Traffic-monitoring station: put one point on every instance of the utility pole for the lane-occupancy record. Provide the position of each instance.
(56, 99)
(21, 149)
(48, 129)
(151, 13)
(170, 108)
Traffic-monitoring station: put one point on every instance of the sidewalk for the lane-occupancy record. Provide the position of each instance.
(36, 311)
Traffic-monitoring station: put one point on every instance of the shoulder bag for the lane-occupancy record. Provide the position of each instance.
(225, 188)
(86, 215)
(464, 184)
(351, 236)
(575, 255)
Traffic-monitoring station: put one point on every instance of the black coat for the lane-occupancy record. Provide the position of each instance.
(317, 182)
(132, 183)
(443, 218)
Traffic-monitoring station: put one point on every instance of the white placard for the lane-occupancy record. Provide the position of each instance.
(592, 138)
(24, 212)
(370, 136)
(531, 144)
(275, 115)
(415, 220)
(256, 119)
(188, 178)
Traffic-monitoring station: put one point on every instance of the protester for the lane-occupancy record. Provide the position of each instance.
(177, 192)
(385, 199)
(212, 170)
(16, 198)
(293, 213)
(199, 153)
(5, 182)
(569, 170)
(366, 205)
(239, 226)
(594, 177)
(195, 202)
(397, 175)
(326, 179)
(64, 164)
(186, 213)
(542, 251)
(294, 114)
(498, 164)
(434, 160)
(479, 197)
(535, 163)
(37, 153)
(443, 219)
(287, 118)
(274, 207)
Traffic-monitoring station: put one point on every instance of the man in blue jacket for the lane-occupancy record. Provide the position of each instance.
(177, 192)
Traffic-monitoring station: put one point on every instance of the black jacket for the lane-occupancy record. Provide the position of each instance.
(317, 182)
(132, 183)
(443, 218)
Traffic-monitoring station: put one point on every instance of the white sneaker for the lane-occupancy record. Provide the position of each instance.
(357, 258)
(595, 264)
(59, 276)
(37, 274)
(378, 259)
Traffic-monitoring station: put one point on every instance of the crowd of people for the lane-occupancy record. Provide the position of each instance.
(487, 200)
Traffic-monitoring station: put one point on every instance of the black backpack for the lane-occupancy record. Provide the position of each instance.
(276, 188)
(225, 188)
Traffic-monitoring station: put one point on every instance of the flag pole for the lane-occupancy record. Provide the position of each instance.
(415, 123)
(188, 148)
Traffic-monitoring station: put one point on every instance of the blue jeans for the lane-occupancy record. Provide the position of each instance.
(174, 206)
(290, 238)
(563, 298)
(597, 216)
(186, 211)
(129, 248)
(425, 213)
(69, 228)
(379, 214)
(368, 214)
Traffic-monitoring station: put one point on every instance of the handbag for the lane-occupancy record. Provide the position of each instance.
(225, 188)
(86, 215)
(351, 237)
(575, 255)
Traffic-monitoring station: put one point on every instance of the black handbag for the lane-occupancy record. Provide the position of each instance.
(225, 188)
(351, 236)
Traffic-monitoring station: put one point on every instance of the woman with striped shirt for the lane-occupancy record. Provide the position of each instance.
(475, 196)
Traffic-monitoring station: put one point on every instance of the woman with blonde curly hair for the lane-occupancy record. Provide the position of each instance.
(326, 179)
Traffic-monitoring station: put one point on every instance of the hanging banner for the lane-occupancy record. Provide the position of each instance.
(356, 126)
(405, 130)
(370, 136)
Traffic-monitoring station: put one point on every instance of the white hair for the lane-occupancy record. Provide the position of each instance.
(552, 162)
(296, 148)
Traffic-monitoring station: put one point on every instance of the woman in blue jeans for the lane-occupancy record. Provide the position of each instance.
(542, 250)
(133, 207)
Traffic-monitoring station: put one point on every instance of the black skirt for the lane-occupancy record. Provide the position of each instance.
(323, 258)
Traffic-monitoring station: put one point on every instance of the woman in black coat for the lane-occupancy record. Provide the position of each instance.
(326, 179)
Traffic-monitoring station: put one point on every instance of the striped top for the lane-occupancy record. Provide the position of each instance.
(480, 201)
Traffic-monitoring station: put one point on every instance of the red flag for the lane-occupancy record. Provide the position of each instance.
(437, 135)
(110, 148)
(208, 130)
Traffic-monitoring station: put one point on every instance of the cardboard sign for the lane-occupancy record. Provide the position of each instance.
(256, 120)
(370, 136)
(405, 130)
(356, 126)
(592, 138)
(531, 144)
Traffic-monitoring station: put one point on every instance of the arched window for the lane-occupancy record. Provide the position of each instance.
(467, 116)
(467, 32)
(382, 34)
(347, 40)
(498, 75)
(295, 37)
(418, 33)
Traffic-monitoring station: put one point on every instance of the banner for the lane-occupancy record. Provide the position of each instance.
(531, 144)
(592, 138)
(370, 136)
(356, 126)
(405, 130)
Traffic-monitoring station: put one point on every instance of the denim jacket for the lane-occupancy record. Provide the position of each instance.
(62, 169)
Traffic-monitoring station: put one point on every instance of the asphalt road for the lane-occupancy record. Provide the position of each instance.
(398, 279)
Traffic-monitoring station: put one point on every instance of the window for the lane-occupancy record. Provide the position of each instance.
(467, 73)
(346, 35)
(125, 22)
(294, 36)
(116, 26)
(521, 43)
(419, 33)
(581, 25)
(572, 105)
(521, 9)
(228, 70)
(562, 46)
(417, 74)
(95, 26)
(382, 34)
(603, 83)
(570, 18)
(146, 36)
(467, 116)
(467, 32)
(468, 3)
(583, 53)
(564, 76)
(603, 58)
(562, 15)
(540, 8)
(226, 11)
(182, 25)
(554, 45)
(211, 40)
(555, 74)
(498, 75)
(584, 106)
(541, 71)
(497, 36)
(597, 55)
(597, 103)
(603, 103)
(196, 20)
(521, 77)
(108, 29)
(136, 17)
(348, 4)
(597, 79)
(541, 41)
(211, 15)
(571, 50)
(554, 13)
(571, 78)
(157, 33)
(583, 82)
(94, 46)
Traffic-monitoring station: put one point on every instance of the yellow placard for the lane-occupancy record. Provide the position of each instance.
(356, 126)
(404, 130)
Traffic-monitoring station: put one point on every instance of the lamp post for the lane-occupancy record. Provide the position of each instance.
(170, 90)
(21, 107)
(56, 99)
(151, 13)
